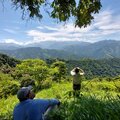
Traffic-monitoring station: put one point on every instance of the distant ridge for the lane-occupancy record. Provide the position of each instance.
(98, 50)
(36, 52)
(59, 45)
(66, 50)
(9, 46)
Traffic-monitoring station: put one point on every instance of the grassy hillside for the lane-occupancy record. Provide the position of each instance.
(100, 100)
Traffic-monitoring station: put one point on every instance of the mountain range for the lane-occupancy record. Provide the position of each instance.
(63, 50)
(101, 49)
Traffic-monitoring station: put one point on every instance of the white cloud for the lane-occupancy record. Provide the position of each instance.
(51, 28)
(12, 41)
(9, 30)
(104, 25)
(106, 20)
(59, 33)
(39, 27)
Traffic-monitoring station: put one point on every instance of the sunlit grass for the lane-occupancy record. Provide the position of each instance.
(99, 90)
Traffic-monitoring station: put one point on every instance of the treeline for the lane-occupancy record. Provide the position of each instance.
(7, 63)
(34, 72)
(6, 60)
(94, 68)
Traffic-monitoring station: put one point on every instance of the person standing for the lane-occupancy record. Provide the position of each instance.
(77, 74)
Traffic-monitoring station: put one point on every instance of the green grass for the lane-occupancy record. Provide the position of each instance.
(99, 101)
(56, 91)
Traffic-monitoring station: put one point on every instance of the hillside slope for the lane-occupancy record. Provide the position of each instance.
(98, 50)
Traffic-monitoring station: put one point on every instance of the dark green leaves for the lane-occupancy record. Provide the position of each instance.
(62, 10)
(85, 10)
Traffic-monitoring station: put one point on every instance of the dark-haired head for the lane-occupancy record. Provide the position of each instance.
(76, 70)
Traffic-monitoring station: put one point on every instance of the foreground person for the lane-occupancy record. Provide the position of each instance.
(29, 108)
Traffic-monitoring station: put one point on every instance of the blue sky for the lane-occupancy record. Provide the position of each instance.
(13, 29)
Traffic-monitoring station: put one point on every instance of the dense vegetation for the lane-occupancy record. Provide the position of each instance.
(7, 83)
(100, 96)
(100, 100)
(5, 60)
(94, 68)
(98, 68)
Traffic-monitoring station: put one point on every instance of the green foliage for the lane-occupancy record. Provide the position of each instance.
(25, 81)
(36, 69)
(46, 84)
(8, 86)
(99, 100)
(29, 65)
(95, 68)
(81, 10)
(8, 116)
(9, 90)
(84, 11)
(6, 60)
(88, 108)
(91, 105)
(6, 69)
(7, 64)
(6, 107)
(59, 70)
(54, 72)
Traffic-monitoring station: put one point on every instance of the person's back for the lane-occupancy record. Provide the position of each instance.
(77, 79)
(32, 109)
(77, 74)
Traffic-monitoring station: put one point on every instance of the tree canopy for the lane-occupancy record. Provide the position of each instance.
(81, 10)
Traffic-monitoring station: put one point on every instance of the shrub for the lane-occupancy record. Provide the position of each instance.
(26, 82)
(9, 90)
(8, 86)
(46, 84)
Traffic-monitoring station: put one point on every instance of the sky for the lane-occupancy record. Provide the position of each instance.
(13, 29)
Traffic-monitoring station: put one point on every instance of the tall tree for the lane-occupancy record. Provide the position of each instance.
(58, 70)
(81, 10)
(35, 68)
